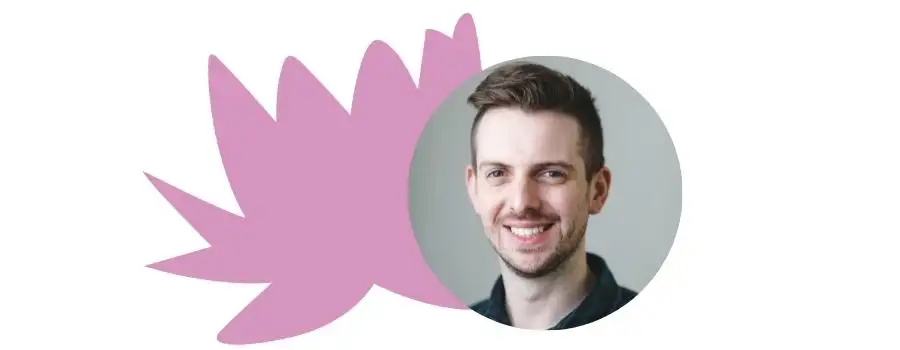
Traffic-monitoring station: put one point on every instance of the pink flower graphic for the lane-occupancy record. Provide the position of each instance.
(323, 192)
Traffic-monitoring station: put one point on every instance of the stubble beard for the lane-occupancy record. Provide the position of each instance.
(563, 252)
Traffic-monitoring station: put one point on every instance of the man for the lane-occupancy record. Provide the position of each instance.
(537, 174)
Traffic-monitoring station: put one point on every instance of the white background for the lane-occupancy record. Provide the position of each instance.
(783, 113)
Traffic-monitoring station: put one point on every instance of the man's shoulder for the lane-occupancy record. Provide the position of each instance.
(626, 295)
(481, 306)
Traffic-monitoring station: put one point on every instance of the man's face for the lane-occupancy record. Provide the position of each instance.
(530, 190)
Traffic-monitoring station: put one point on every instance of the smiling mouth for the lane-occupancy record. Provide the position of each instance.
(528, 232)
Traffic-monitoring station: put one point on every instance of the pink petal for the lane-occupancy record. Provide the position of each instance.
(384, 100)
(246, 135)
(283, 311)
(447, 63)
(215, 225)
(305, 107)
(212, 264)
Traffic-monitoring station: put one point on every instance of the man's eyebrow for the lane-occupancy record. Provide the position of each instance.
(566, 165)
(561, 164)
(492, 164)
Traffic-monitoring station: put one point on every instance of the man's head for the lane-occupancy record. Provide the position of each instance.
(537, 171)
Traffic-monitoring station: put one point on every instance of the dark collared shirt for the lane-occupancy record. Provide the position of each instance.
(605, 297)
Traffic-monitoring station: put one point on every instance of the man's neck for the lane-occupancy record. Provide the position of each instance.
(541, 303)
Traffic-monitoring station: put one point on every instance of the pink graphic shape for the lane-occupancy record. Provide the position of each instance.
(324, 193)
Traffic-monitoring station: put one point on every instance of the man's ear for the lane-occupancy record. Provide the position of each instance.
(471, 185)
(600, 185)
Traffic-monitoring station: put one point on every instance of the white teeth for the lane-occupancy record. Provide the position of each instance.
(527, 232)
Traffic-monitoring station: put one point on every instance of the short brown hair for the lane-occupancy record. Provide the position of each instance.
(533, 88)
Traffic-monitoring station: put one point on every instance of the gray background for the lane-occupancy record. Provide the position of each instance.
(633, 232)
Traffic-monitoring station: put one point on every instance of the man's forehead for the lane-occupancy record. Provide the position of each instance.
(513, 115)
(519, 140)
(515, 137)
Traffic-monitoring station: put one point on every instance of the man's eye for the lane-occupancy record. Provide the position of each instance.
(555, 174)
(495, 173)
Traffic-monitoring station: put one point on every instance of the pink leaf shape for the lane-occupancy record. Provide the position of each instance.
(301, 100)
(447, 63)
(281, 312)
(216, 263)
(389, 113)
(323, 191)
(213, 223)
(218, 227)
(245, 132)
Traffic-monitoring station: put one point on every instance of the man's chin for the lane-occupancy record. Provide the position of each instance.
(530, 265)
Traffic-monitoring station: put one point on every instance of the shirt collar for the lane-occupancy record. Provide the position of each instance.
(603, 298)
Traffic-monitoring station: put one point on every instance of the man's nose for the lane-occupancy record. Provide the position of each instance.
(523, 196)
